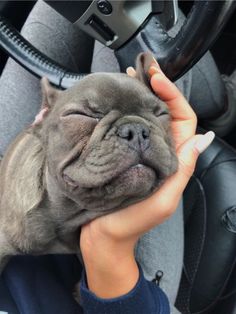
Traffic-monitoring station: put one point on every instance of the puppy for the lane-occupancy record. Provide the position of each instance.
(97, 147)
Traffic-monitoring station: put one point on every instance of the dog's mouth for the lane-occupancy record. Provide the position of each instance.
(134, 183)
(133, 173)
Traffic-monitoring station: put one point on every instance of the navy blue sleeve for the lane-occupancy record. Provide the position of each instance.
(145, 298)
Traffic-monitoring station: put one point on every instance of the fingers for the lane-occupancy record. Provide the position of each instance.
(40, 116)
(167, 198)
(170, 94)
(188, 154)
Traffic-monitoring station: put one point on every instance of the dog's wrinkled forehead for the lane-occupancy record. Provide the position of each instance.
(104, 92)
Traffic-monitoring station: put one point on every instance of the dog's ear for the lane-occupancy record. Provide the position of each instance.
(143, 62)
(49, 97)
(49, 94)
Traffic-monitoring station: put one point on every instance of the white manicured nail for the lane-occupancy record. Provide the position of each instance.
(204, 141)
(131, 71)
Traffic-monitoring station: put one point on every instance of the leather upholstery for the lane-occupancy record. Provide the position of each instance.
(210, 229)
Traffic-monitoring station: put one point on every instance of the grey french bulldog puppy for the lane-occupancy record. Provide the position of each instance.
(99, 146)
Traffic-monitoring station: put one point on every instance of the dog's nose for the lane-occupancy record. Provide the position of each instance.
(136, 134)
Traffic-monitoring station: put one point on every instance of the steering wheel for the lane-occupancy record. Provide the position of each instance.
(175, 55)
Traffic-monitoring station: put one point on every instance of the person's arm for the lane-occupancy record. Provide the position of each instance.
(107, 243)
(144, 298)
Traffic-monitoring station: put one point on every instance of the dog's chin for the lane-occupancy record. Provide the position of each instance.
(133, 174)
(134, 184)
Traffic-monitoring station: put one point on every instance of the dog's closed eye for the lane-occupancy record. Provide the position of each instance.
(80, 113)
(83, 112)
(75, 112)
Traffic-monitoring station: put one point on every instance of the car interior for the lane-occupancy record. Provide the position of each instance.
(208, 283)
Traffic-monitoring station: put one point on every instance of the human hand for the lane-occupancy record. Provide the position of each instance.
(109, 241)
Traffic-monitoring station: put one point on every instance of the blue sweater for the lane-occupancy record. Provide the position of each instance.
(44, 285)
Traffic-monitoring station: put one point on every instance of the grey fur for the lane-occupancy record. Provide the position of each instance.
(77, 164)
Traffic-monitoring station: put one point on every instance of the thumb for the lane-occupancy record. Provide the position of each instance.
(188, 152)
(168, 196)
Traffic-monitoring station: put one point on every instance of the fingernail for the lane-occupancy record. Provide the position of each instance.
(204, 141)
(153, 70)
(131, 71)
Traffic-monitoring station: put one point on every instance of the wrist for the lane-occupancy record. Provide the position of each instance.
(101, 250)
(112, 277)
(110, 265)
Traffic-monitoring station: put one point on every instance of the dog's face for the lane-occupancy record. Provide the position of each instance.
(107, 141)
